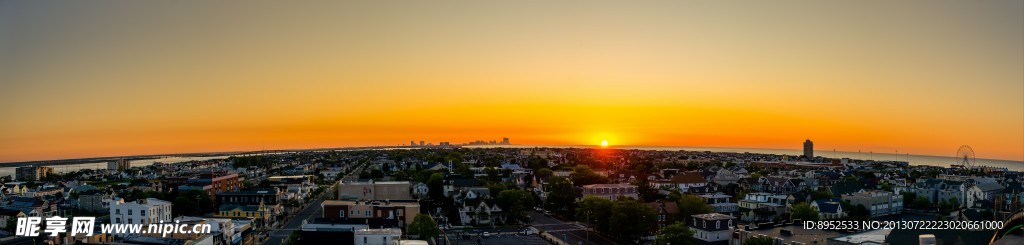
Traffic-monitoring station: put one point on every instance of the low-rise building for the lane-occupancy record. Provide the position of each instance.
(377, 236)
(879, 203)
(761, 206)
(829, 209)
(611, 191)
(711, 228)
(375, 190)
(96, 201)
(142, 211)
(402, 210)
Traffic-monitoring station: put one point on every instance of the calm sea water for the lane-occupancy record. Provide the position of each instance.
(4, 171)
(942, 161)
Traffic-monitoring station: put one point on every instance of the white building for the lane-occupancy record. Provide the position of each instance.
(384, 236)
(711, 227)
(142, 211)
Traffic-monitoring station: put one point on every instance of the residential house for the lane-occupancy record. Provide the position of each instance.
(829, 209)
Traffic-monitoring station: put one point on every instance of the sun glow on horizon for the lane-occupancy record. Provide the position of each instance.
(604, 143)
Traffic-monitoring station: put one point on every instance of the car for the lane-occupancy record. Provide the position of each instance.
(487, 234)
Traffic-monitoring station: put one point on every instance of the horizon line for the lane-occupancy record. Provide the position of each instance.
(369, 147)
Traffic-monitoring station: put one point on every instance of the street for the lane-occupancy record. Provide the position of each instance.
(570, 233)
(308, 213)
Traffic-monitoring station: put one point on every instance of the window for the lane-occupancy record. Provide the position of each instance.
(367, 212)
(142, 212)
(117, 211)
(364, 240)
(118, 220)
(352, 212)
(129, 212)
(130, 221)
(341, 213)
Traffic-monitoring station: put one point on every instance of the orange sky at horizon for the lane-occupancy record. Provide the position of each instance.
(90, 79)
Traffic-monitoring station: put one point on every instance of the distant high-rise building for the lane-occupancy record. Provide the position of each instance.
(32, 173)
(504, 141)
(422, 142)
(119, 165)
(412, 143)
(808, 149)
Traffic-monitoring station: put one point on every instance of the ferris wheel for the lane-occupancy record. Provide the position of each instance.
(965, 156)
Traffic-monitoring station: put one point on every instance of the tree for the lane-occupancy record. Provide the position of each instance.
(645, 190)
(561, 196)
(675, 196)
(803, 211)
(12, 222)
(537, 163)
(762, 240)
(544, 173)
(583, 175)
(595, 211)
(293, 238)
(192, 202)
(676, 233)
(859, 212)
(692, 204)
(631, 219)
(424, 226)
(435, 186)
(516, 203)
(908, 198)
(922, 202)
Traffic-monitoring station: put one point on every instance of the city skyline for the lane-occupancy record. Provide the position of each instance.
(93, 79)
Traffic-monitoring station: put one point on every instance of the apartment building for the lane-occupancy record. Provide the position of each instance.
(879, 203)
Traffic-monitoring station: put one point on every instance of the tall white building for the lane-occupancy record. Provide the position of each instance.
(142, 211)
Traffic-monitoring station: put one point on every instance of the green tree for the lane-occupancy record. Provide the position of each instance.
(583, 175)
(675, 196)
(561, 196)
(12, 222)
(435, 186)
(908, 198)
(692, 204)
(537, 163)
(595, 211)
(763, 240)
(676, 233)
(631, 219)
(516, 203)
(424, 226)
(803, 211)
(858, 212)
(293, 238)
(544, 173)
(645, 190)
(922, 202)
(192, 202)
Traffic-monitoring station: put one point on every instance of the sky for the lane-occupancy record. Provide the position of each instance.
(110, 78)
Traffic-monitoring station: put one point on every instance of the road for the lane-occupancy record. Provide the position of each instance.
(571, 233)
(308, 213)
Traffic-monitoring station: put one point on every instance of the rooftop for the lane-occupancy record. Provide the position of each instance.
(713, 216)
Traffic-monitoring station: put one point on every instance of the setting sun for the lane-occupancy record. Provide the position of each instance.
(604, 143)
